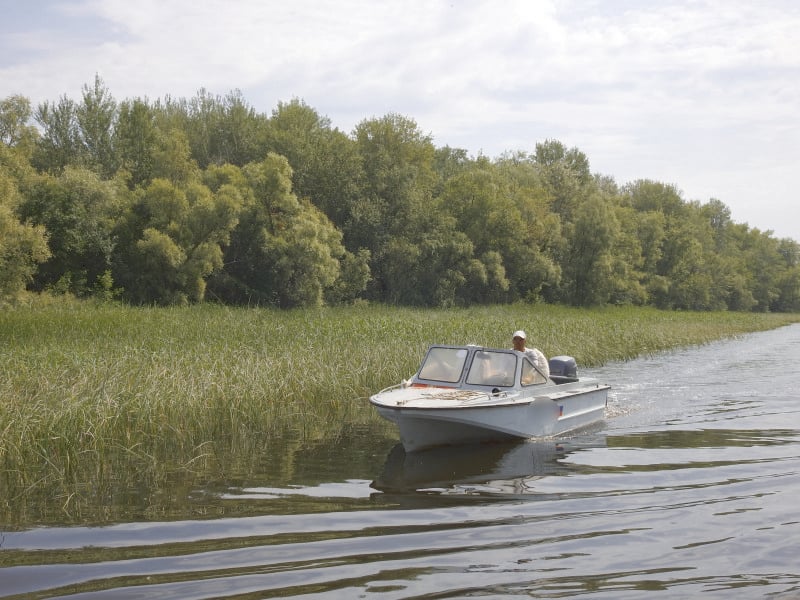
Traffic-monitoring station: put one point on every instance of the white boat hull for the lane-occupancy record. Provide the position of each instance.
(425, 422)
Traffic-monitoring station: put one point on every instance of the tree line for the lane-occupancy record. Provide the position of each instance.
(185, 200)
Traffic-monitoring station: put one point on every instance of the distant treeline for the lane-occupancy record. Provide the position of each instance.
(184, 200)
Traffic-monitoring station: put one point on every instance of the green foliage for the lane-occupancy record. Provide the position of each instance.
(284, 251)
(175, 238)
(177, 200)
(15, 130)
(353, 278)
(95, 118)
(135, 139)
(326, 165)
(78, 210)
(59, 144)
(588, 276)
(22, 245)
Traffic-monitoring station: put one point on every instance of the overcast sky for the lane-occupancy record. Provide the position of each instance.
(701, 94)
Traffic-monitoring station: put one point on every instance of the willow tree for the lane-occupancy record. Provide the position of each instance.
(16, 131)
(326, 165)
(589, 264)
(284, 252)
(22, 245)
(79, 211)
(136, 140)
(397, 193)
(172, 241)
(219, 129)
(475, 199)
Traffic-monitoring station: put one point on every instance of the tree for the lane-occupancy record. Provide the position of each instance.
(59, 144)
(136, 139)
(588, 270)
(788, 282)
(765, 266)
(78, 134)
(354, 275)
(398, 183)
(719, 221)
(15, 132)
(79, 212)
(484, 213)
(96, 117)
(566, 175)
(627, 279)
(173, 241)
(326, 165)
(172, 158)
(218, 129)
(652, 196)
(284, 252)
(178, 199)
(685, 267)
(677, 247)
(241, 131)
(22, 245)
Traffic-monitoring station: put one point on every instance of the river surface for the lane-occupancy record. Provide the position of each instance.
(691, 486)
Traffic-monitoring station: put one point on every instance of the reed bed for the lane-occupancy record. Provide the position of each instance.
(87, 391)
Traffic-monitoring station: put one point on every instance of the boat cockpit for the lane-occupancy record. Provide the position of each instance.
(475, 367)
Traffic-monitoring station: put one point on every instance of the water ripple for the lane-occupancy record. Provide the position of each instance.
(687, 489)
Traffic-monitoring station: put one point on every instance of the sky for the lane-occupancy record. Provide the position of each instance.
(699, 94)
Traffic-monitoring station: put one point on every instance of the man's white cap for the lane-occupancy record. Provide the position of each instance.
(519, 333)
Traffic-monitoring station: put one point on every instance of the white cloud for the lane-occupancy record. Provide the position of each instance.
(698, 93)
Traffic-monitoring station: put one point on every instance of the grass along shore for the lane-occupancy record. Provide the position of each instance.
(82, 383)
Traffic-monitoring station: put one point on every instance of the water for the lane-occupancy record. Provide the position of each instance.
(689, 487)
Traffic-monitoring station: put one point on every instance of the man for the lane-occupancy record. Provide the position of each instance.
(534, 354)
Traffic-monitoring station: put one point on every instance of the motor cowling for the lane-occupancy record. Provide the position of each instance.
(563, 369)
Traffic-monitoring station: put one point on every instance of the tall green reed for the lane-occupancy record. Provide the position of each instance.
(83, 386)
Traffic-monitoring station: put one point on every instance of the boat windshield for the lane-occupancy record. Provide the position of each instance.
(443, 364)
(530, 374)
(492, 368)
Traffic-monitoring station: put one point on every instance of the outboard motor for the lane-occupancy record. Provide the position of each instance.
(563, 369)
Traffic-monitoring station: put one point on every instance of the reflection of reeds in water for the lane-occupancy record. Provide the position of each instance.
(87, 391)
(119, 486)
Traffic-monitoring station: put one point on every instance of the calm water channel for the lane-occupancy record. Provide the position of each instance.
(691, 486)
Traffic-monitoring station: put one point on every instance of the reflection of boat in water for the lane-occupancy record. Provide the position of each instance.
(496, 468)
(468, 394)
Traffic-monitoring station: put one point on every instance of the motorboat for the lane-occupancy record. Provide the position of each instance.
(472, 394)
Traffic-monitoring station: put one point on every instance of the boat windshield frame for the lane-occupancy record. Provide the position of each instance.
(493, 368)
(530, 374)
(444, 364)
(477, 367)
